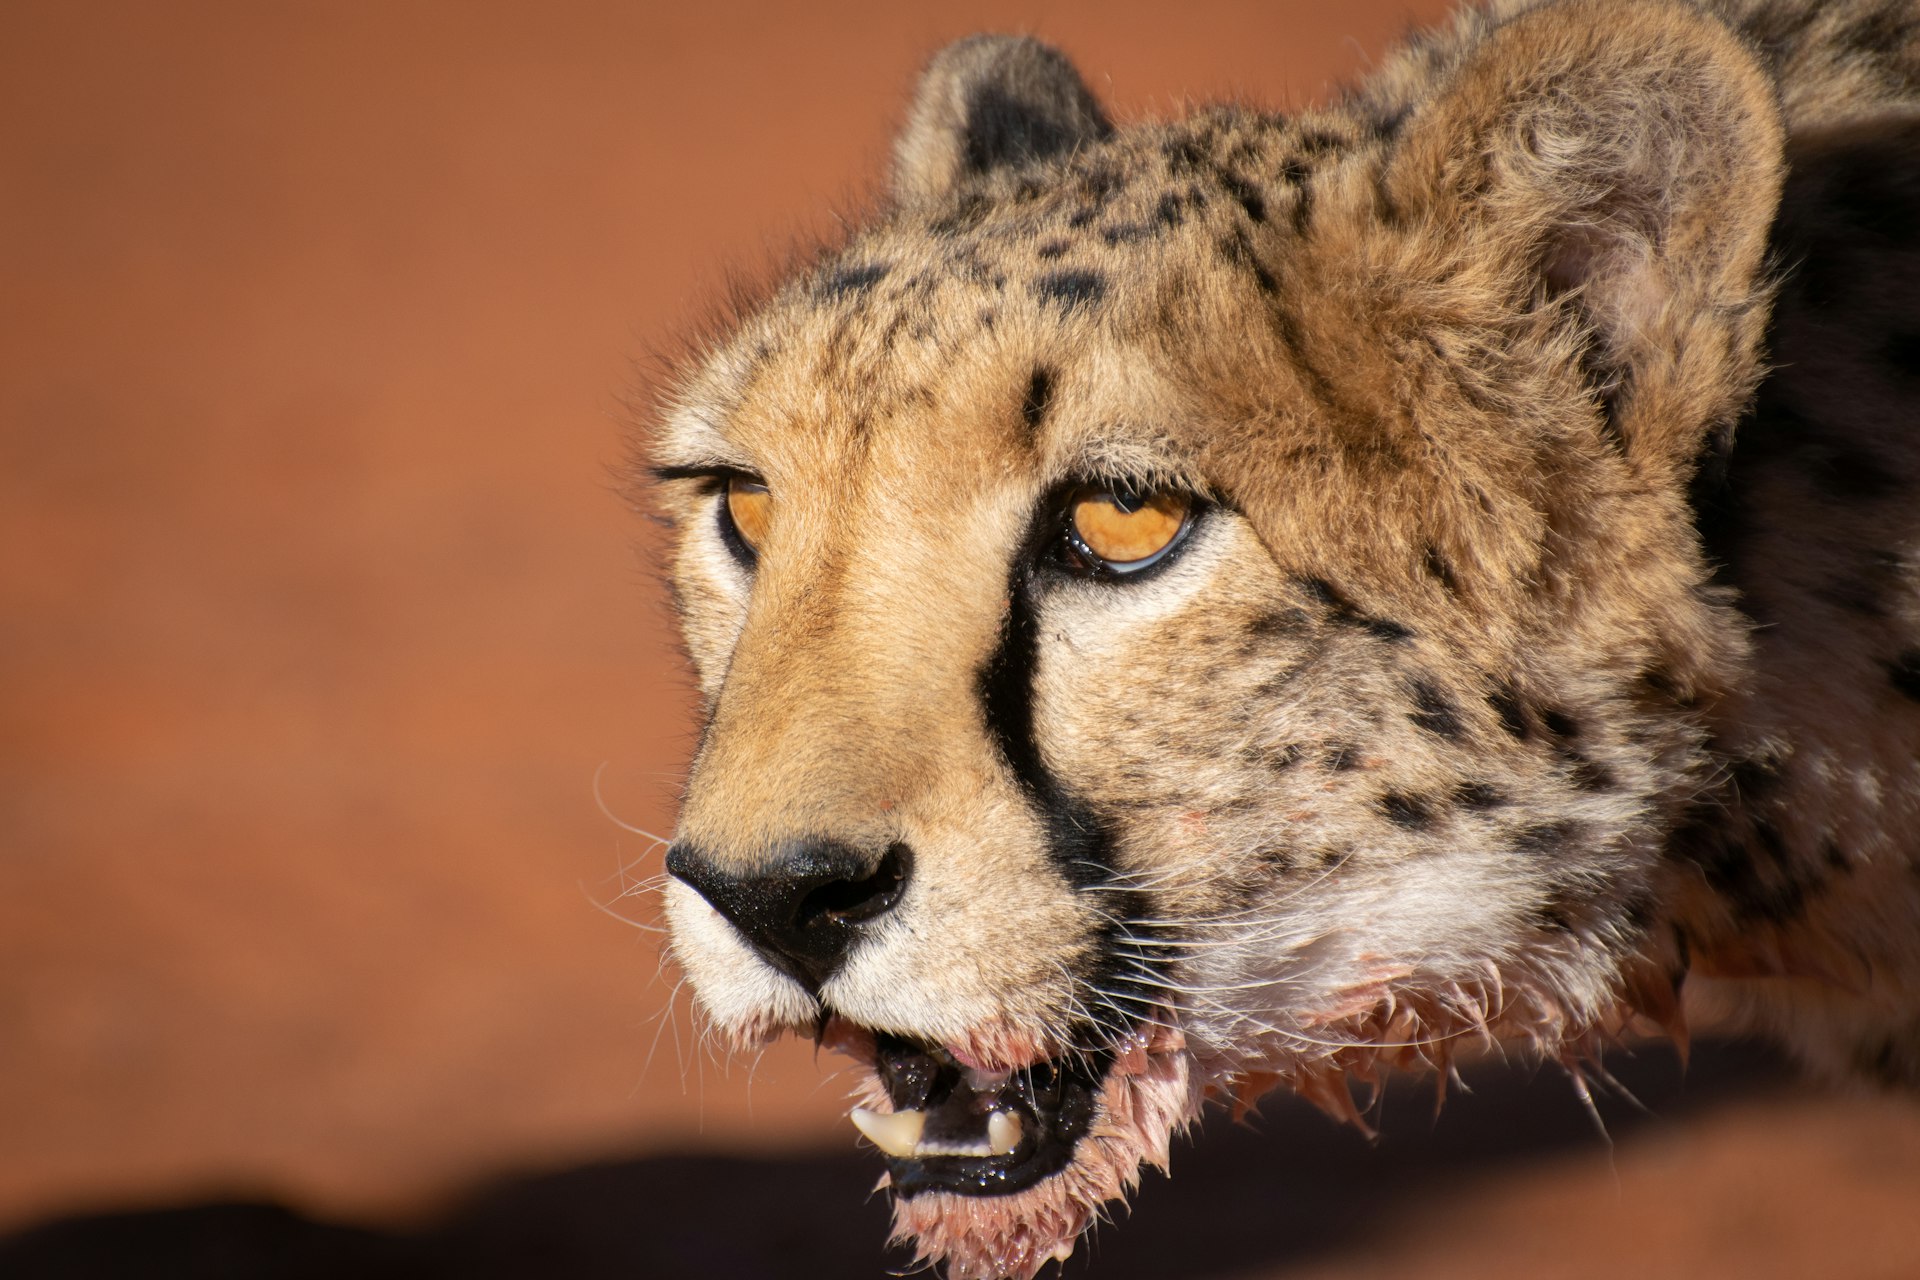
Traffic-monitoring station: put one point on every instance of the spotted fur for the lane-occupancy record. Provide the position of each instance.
(1544, 663)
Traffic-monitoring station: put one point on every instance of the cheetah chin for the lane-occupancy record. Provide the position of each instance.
(1259, 601)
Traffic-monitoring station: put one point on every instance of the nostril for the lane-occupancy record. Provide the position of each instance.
(853, 901)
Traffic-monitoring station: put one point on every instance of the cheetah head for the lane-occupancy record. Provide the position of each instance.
(1205, 606)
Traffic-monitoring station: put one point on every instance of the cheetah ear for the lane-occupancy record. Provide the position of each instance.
(987, 102)
(1619, 162)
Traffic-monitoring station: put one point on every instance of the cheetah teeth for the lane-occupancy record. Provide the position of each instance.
(899, 1134)
(1003, 1132)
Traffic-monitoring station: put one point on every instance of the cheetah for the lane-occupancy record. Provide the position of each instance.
(1270, 600)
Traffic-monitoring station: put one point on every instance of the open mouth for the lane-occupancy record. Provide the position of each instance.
(975, 1132)
(994, 1171)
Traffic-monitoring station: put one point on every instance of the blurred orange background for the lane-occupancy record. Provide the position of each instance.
(320, 616)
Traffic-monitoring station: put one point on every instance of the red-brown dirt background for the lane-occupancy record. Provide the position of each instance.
(319, 615)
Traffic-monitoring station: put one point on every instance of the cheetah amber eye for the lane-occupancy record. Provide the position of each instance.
(1119, 530)
(750, 508)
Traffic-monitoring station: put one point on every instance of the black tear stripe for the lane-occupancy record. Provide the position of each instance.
(1127, 976)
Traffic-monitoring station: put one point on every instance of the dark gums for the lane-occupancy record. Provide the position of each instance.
(1055, 1101)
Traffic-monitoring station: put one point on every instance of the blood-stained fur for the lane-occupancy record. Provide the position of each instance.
(1264, 600)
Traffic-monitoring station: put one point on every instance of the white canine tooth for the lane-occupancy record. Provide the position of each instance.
(1003, 1132)
(897, 1134)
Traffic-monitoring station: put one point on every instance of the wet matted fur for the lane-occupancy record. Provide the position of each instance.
(1538, 659)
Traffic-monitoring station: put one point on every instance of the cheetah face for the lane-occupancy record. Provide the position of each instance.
(1164, 635)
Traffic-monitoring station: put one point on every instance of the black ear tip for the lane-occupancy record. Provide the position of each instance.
(990, 101)
(1028, 76)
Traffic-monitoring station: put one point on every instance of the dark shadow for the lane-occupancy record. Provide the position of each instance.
(1242, 1199)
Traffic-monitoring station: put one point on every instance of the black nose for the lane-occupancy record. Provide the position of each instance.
(804, 907)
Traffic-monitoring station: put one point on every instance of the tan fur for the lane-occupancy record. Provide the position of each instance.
(1468, 710)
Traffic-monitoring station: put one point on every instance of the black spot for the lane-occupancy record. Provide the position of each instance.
(1083, 217)
(1281, 757)
(1752, 777)
(1661, 683)
(1434, 711)
(1722, 858)
(1071, 290)
(1327, 594)
(1552, 915)
(1100, 183)
(1835, 857)
(1345, 613)
(1183, 154)
(1276, 856)
(1342, 757)
(1513, 714)
(853, 280)
(1477, 795)
(1585, 774)
(1415, 813)
(1245, 194)
(1039, 398)
(1904, 671)
(1385, 629)
(1237, 250)
(1302, 216)
(1281, 622)
(1053, 249)
(965, 216)
(1559, 723)
(1168, 212)
(1439, 569)
(1544, 837)
(1752, 870)
(1120, 233)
